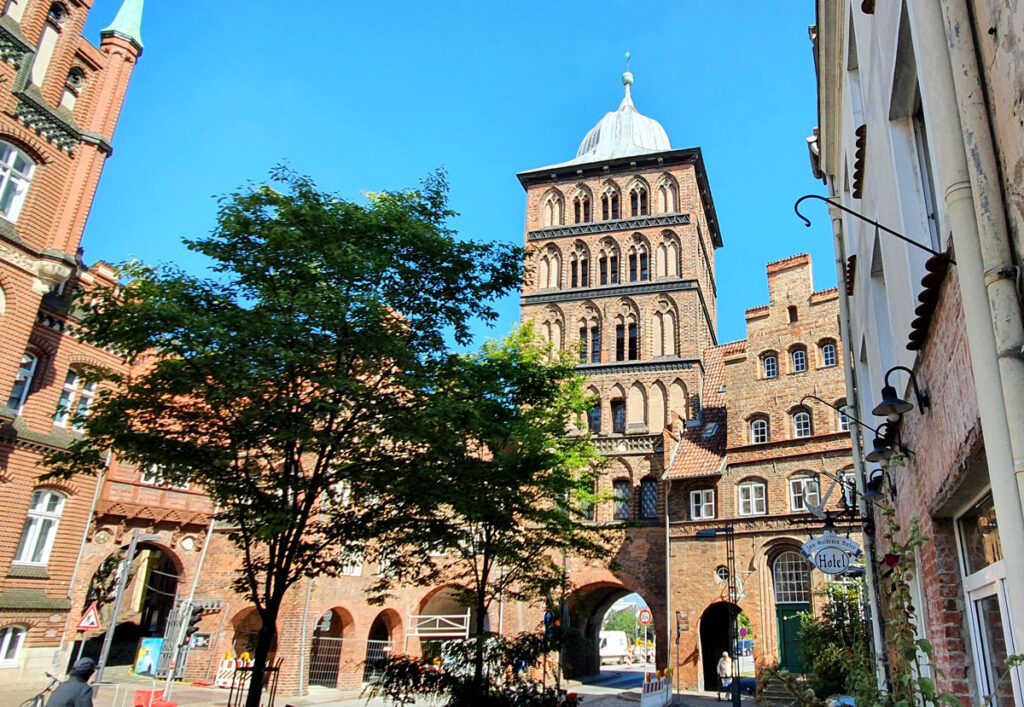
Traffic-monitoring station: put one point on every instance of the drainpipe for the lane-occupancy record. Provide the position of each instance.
(302, 639)
(78, 564)
(870, 574)
(668, 553)
(969, 180)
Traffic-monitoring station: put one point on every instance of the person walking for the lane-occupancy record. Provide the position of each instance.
(76, 690)
(724, 674)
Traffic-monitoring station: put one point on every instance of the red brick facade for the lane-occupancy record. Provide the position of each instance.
(58, 110)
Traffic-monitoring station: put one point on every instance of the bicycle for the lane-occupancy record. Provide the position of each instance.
(40, 699)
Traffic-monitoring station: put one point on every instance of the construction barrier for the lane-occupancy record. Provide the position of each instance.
(657, 691)
(226, 672)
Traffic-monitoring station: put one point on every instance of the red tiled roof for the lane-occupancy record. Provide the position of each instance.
(697, 455)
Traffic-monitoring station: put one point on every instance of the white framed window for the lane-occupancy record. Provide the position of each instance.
(40, 528)
(152, 476)
(16, 170)
(702, 504)
(828, 354)
(85, 398)
(791, 575)
(11, 640)
(771, 366)
(844, 419)
(802, 424)
(758, 431)
(984, 580)
(751, 495)
(22, 382)
(799, 360)
(803, 491)
(67, 400)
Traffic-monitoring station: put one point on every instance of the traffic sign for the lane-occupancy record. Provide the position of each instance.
(90, 619)
(644, 617)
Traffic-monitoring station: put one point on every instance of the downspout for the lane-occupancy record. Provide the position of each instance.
(78, 563)
(969, 180)
(668, 552)
(870, 574)
(302, 639)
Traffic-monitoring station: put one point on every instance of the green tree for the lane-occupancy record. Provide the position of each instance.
(622, 620)
(507, 481)
(287, 384)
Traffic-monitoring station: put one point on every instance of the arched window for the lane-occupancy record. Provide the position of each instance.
(40, 528)
(638, 201)
(792, 577)
(751, 498)
(610, 204)
(618, 408)
(594, 417)
(843, 418)
(667, 196)
(623, 492)
(590, 338)
(770, 365)
(16, 170)
(648, 498)
(581, 208)
(639, 269)
(758, 430)
(828, 353)
(22, 382)
(579, 268)
(803, 491)
(11, 640)
(799, 355)
(802, 424)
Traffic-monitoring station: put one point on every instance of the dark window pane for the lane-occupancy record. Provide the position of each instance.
(643, 266)
(633, 343)
(594, 418)
(595, 345)
(614, 267)
(572, 274)
(615, 206)
(634, 205)
(632, 267)
(620, 343)
(602, 265)
(622, 494)
(643, 203)
(584, 273)
(576, 209)
(604, 208)
(586, 210)
(649, 498)
(583, 345)
(618, 416)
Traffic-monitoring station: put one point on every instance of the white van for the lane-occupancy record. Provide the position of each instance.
(614, 646)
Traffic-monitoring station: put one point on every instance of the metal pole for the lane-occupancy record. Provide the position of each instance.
(730, 549)
(122, 581)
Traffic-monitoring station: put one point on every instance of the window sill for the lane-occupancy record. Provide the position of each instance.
(25, 571)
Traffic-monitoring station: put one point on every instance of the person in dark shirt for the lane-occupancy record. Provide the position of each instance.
(76, 690)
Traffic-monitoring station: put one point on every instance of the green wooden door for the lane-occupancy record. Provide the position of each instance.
(788, 616)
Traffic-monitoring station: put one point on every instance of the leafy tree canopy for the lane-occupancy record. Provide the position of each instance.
(290, 383)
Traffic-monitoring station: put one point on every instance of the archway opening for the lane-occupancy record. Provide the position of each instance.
(149, 595)
(443, 616)
(380, 644)
(715, 639)
(626, 640)
(590, 607)
(326, 647)
(246, 626)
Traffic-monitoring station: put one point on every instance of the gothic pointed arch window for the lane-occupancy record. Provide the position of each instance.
(581, 205)
(668, 196)
(579, 267)
(551, 210)
(638, 200)
(608, 263)
(610, 203)
(638, 262)
(663, 330)
(590, 336)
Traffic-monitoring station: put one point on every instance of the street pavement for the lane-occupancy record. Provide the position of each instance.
(613, 688)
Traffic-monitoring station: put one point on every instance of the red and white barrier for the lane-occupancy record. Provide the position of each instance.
(657, 692)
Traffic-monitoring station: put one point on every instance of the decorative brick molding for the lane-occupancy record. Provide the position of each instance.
(624, 224)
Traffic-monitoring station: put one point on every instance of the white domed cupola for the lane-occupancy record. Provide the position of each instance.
(622, 133)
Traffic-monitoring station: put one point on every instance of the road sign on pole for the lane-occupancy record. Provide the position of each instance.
(644, 617)
(90, 619)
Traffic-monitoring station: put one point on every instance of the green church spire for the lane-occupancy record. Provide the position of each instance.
(127, 24)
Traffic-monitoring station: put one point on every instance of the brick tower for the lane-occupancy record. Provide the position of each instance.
(60, 105)
(622, 241)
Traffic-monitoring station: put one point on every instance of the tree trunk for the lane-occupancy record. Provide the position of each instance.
(478, 661)
(264, 640)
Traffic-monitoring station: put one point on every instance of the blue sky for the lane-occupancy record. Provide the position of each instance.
(368, 97)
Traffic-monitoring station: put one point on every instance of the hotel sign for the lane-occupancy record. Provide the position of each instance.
(831, 553)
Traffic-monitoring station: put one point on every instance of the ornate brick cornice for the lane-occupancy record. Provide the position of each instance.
(631, 367)
(639, 288)
(630, 444)
(624, 224)
(38, 116)
(13, 46)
